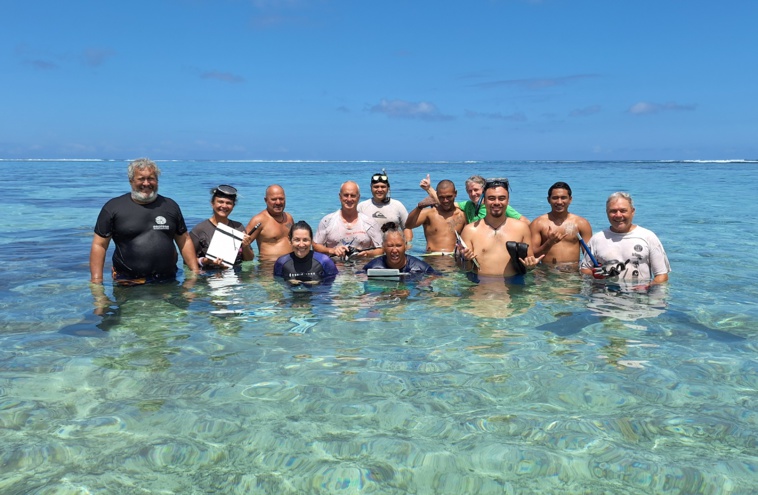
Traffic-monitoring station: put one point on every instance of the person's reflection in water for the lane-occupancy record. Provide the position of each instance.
(626, 303)
(105, 315)
(491, 297)
(226, 306)
(108, 312)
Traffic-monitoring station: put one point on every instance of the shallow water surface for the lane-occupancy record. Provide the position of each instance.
(237, 384)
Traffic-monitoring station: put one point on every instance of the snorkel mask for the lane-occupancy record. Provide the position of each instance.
(616, 269)
(383, 178)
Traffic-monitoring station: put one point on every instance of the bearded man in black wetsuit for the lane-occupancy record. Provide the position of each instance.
(145, 226)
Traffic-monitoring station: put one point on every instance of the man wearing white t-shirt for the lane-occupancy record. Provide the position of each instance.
(625, 251)
(346, 228)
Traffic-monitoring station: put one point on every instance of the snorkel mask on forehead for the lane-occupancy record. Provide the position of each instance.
(490, 183)
(496, 182)
(384, 179)
(226, 191)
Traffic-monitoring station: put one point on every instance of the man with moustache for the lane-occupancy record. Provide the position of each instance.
(145, 227)
(272, 236)
(346, 230)
(442, 220)
(485, 240)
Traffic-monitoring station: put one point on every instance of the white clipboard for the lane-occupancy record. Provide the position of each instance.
(225, 244)
(384, 273)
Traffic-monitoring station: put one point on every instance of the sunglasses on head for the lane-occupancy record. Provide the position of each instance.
(389, 226)
(226, 189)
(497, 182)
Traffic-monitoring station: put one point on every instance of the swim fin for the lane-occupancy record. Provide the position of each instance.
(518, 250)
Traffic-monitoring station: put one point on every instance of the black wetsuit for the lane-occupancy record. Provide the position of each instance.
(413, 265)
(313, 267)
(144, 236)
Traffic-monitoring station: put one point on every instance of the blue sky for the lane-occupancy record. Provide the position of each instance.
(379, 80)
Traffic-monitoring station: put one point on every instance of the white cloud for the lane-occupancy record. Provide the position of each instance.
(645, 107)
(409, 110)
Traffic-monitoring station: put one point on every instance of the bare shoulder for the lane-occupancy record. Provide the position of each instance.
(579, 221)
(540, 222)
(256, 219)
(260, 216)
(522, 227)
(469, 231)
(473, 227)
(458, 220)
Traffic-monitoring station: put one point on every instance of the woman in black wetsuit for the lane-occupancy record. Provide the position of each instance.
(303, 265)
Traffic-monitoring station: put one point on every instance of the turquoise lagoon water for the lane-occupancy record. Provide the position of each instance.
(239, 385)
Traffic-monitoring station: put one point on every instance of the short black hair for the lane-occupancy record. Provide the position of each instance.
(559, 185)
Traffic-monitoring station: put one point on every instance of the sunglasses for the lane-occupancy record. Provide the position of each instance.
(389, 226)
(499, 182)
(225, 189)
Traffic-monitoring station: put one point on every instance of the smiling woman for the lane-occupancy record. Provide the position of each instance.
(223, 200)
(303, 265)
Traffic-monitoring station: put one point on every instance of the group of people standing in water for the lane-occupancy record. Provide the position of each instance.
(489, 238)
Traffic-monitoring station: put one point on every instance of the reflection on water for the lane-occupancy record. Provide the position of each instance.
(234, 382)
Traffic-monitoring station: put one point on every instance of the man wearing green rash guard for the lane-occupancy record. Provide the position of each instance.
(474, 188)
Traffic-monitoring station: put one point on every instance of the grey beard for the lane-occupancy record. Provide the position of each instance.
(144, 198)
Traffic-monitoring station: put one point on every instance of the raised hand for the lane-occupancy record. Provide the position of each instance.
(425, 183)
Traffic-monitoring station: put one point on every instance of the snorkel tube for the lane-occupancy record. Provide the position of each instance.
(479, 202)
(587, 250)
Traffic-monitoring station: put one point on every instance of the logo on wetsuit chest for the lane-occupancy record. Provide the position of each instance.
(160, 223)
